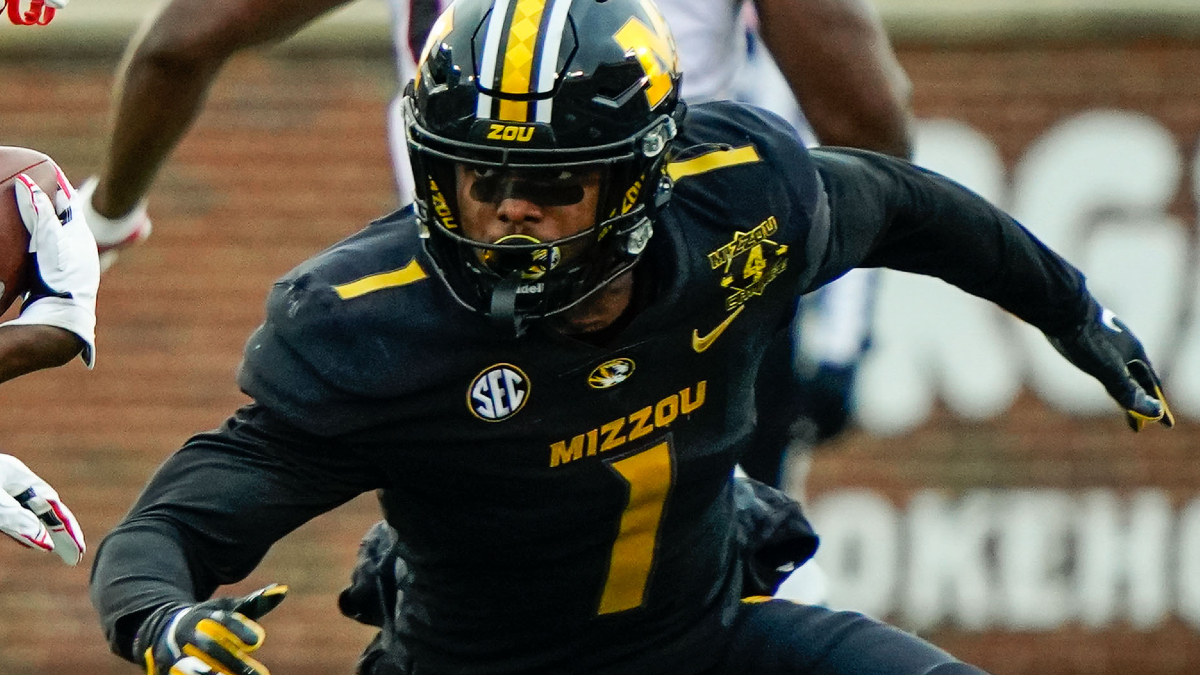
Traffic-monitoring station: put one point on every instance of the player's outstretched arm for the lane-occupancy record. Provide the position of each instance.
(161, 86)
(840, 65)
(34, 516)
(58, 319)
(889, 213)
(206, 518)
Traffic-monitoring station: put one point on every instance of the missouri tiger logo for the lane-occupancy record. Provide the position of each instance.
(498, 393)
(610, 373)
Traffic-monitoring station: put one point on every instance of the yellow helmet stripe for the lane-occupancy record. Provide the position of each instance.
(521, 47)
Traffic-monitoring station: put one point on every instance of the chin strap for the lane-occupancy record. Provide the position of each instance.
(503, 308)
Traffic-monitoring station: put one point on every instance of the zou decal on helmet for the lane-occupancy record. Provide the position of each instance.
(531, 96)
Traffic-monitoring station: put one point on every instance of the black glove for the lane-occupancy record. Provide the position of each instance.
(773, 536)
(216, 636)
(1106, 349)
(375, 588)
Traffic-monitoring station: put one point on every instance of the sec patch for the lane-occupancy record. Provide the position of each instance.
(499, 392)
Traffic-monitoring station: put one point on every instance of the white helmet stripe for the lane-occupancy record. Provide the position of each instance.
(550, 48)
(491, 55)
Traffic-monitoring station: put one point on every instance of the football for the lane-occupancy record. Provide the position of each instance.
(14, 238)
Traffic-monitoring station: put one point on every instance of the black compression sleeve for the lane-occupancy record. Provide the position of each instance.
(212, 511)
(889, 213)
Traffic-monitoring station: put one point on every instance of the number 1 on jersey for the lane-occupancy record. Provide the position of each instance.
(648, 474)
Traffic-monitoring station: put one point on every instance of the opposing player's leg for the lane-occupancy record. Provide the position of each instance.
(778, 637)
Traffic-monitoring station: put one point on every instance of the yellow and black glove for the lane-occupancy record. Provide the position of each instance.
(209, 638)
(1106, 349)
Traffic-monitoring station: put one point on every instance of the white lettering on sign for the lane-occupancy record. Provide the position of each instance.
(1027, 559)
(1096, 188)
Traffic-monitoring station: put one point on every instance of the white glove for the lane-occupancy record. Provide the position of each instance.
(57, 4)
(67, 265)
(31, 513)
(112, 235)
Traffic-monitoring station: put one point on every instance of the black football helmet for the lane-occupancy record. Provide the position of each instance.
(542, 89)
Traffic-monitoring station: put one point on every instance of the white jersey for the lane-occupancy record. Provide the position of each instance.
(411, 19)
(710, 36)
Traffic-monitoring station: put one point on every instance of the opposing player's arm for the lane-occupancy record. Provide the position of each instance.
(24, 349)
(165, 77)
(209, 515)
(889, 213)
(840, 65)
(58, 317)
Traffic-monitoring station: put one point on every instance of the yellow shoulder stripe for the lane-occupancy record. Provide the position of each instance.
(408, 274)
(717, 159)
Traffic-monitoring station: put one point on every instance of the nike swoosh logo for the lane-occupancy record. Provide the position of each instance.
(702, 343)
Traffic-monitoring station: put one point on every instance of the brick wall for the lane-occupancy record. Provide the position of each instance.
(288, 157)
(1013, 95)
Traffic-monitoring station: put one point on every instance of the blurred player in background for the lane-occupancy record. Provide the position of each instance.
(810, 402)
(165, 77)
(834, 54)
(57, 322)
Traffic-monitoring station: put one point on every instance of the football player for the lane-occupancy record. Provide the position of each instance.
(545, 365)
(57, 322)
(834, 56)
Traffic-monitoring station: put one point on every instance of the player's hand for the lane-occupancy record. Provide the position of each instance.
(216, 636)
(63, 247)
(32, 514)
(112, 234)
(1106, 349)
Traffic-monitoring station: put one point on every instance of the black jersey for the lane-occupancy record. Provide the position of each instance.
(562, 506)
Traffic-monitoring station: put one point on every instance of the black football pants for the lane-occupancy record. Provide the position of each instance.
(780, 637)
